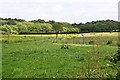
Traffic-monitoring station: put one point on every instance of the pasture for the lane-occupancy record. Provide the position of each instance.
(38, 56)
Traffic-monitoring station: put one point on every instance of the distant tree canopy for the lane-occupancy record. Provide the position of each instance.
(21, 26)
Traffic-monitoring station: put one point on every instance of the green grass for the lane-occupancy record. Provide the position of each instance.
(101, 40)
(38, 57)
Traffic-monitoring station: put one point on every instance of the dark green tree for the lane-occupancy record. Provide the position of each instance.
(57, 26)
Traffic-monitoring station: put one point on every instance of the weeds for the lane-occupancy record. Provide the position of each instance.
(64, 46)
(91, 42)
(109, 42)
(46, 60)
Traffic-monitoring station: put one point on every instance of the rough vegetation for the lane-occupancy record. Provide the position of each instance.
(37, 57)
(58, 55)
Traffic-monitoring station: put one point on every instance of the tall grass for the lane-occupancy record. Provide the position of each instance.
(38, 57)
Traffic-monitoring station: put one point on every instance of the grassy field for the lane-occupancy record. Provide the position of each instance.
(36, 56)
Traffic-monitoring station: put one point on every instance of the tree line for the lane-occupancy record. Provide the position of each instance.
(20, 26)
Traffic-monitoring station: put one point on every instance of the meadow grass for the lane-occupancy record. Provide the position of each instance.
(38, 57)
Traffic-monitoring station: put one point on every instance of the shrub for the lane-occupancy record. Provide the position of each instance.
(54, 41)
(5, 41)
(91, 42)
(64, 46)
(118, 44)
(118, 76)
(74, 37)
(80, 59)
(48, 37)
(116, 59)
(108, 58)
(109, 42)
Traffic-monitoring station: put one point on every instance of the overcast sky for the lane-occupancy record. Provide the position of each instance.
(60, 10)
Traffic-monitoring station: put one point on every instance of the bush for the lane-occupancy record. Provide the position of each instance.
(5, 41)
(64, 46)
(116, 60)
(81, 59)
(118, 44)
(118, 76)
(108, 58)
(48, 37)
(109, 42)
(74, 37)
(54, 41)
(116, 57)
(91, 42)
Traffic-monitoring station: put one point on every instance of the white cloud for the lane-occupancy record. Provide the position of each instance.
(60, 10)
(57, 9)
